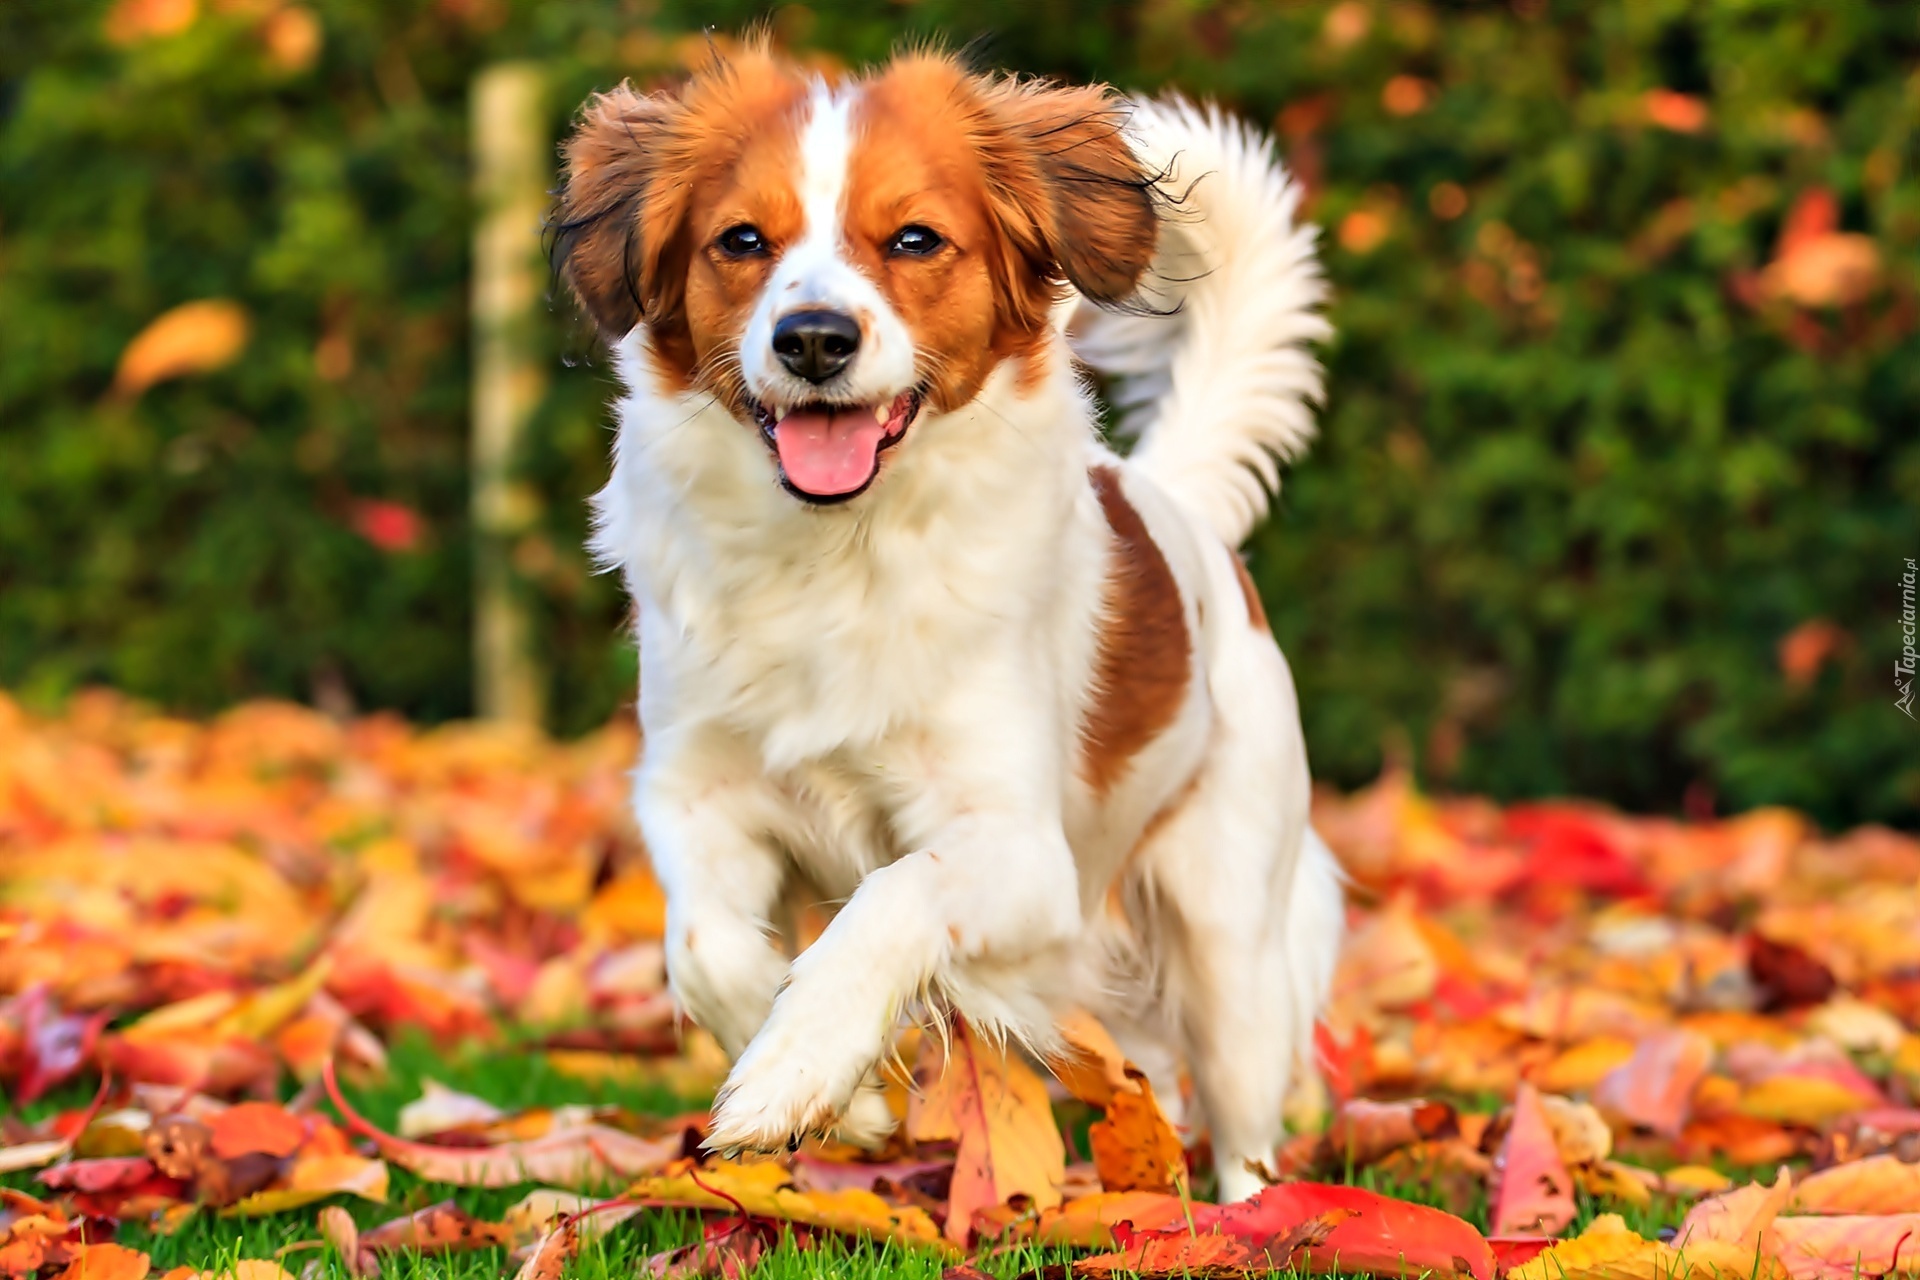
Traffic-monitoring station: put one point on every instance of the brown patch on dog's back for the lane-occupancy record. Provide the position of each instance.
(1144, 657)
(1256, 611)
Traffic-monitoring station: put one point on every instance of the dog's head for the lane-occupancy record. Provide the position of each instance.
(831, 261)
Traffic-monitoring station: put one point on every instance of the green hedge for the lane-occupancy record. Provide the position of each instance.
(1583, 469)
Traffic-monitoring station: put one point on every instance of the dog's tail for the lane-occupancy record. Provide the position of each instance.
(1212, 371)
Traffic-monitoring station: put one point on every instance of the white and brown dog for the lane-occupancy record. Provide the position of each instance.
(907, 627)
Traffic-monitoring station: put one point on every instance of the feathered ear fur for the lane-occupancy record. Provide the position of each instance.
(1068, 191)
(615, 237)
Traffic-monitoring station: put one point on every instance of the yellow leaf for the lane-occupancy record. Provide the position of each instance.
(1607, 1250)
(194, 337)
(315, 1178)
(1694, 1179)
(1801, 1100)
(262, 1013)
(766, 1189)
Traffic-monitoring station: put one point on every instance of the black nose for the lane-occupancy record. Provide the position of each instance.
(815, 345)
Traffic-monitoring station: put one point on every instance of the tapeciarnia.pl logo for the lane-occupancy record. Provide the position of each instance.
(1903, 665)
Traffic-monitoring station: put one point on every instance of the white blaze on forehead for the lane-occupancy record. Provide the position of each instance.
(826, 147)
(816, 273)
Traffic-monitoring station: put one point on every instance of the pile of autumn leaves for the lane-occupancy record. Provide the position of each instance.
(1551, 1019)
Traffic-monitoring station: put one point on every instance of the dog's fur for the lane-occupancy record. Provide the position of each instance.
(1015, 703)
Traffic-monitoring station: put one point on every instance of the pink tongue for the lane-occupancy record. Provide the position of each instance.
(828, 453)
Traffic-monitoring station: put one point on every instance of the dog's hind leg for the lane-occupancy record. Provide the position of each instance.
(1245, 913)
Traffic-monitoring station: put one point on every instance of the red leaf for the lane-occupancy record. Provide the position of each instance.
(1531, 1188)
(53, 1045)
(98, 1175)
(1384, 1236)
(1570, 847)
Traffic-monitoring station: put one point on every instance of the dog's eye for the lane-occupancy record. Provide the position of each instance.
(742, 241)
(916, 240)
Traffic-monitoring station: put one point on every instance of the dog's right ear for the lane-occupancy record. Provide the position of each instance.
(616, 232)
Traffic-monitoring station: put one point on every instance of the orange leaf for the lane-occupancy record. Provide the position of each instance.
(1089, 1221)
(194, 337)
(997, 1110)
(1532, 1193)
(550, 1257)
(109, 1262)
(264, 1127)
(1134, 1145)
(1877, 1184)
(1093, 1069)
(1806, 648)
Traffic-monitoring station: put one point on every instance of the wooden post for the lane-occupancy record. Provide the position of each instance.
(512, 168)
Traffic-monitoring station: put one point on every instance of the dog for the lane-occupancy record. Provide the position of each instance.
(908, 629)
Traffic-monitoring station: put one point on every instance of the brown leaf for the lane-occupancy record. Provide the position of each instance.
(551, 1256)
(179, 1146)
(439, 1228)
(1363, 1131)
(337, 1228)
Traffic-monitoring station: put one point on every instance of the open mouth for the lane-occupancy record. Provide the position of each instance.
(831, 452)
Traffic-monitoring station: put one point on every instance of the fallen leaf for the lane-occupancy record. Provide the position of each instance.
(1881, 1184)
(1093, 1069)
(1363, 1131)
(1161, 1257)
(996, 1108)
(1848, 1247)
(588, 1155)
(765, 1190)
(1607, 1250)
(1384, 1236)
(1531, 1193)
(1134, 1145)
(439, 1228)
(109, 1262)
(1654, 1088)
(337, 1228)
(1742, 1216)
(1090, 1221)
(256, 1127)
(551, 1256)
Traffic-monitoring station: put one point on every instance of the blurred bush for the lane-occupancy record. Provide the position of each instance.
(1618, 474)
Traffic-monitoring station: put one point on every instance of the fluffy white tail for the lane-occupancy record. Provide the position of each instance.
(1213, 374)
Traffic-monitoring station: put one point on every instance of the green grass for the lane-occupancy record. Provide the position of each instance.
(517, 1078)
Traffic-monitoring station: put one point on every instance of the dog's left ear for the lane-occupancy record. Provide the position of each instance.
(1069, 189)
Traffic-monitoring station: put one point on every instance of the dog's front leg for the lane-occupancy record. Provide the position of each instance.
(987, 890)
(705, 815)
